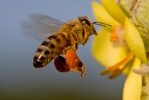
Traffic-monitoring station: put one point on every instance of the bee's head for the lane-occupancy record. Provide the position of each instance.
(87, 25)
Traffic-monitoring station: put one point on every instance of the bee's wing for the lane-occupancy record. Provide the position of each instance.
(40, 26)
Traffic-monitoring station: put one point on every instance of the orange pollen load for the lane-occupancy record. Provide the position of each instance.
(74, 62)
(72, 59)
(69, 63)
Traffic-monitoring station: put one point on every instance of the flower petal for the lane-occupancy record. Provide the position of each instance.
(134, 40)
(132, 86)
(103, 50)
(114, 10)
(102, 15)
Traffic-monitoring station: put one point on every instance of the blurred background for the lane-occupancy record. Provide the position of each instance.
(19, 80)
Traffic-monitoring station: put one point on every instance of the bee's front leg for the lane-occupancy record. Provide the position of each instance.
(86, 36)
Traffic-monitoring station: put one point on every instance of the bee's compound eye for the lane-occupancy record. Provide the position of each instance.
(86, 22)
(37, 64)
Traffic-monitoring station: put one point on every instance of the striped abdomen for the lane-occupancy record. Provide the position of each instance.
(49, 49)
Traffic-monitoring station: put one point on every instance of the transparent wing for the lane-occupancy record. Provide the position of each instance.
(40, 26)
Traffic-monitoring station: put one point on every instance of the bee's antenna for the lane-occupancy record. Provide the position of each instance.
(101, 24)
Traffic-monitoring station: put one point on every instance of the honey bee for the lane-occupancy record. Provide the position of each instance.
(65, 36)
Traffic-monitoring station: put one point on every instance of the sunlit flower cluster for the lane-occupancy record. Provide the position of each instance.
(121, 49)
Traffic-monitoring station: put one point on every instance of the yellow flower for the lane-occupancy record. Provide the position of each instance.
(119, 48)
